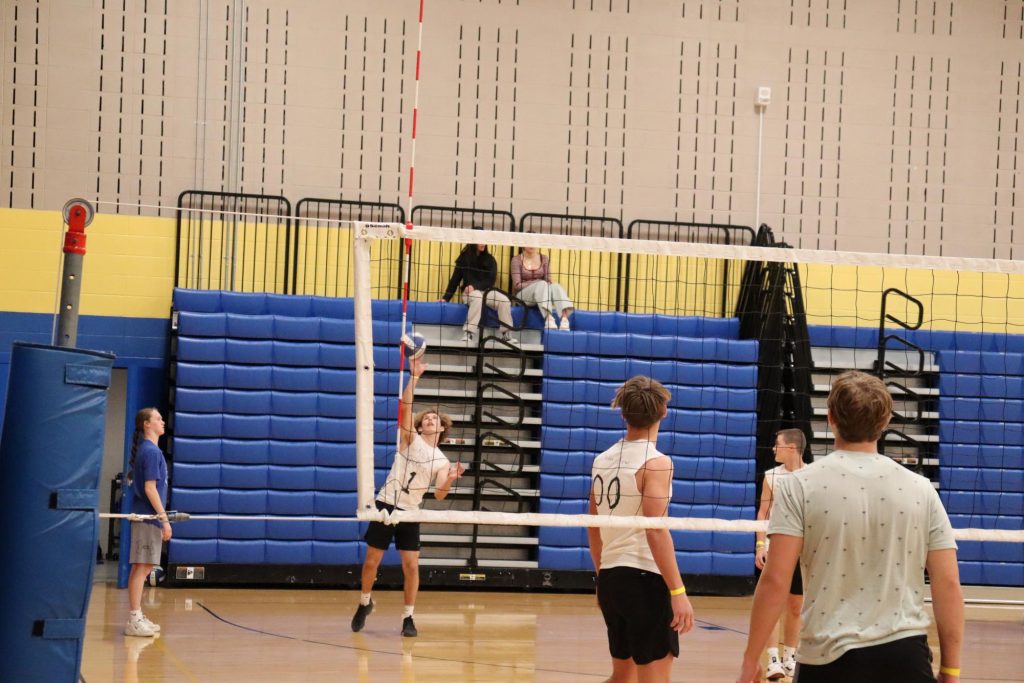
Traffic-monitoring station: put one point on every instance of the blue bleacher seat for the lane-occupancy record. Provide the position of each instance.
(981, 409)
(691, 563)
(247, 376)
(290, 529)
(291, 478)
(565, 486)
(202, 324)
(290, 502)
(335, 479)
(601, 393)
(248, 402)
(197, 300)
(991, 433)
(241, 476)
(197, 450)
(243, 528)
(563, 462)
(326, 530)
(981, 363)
(241, 326)
(241, 552)
(290, 328)
(205, 475)
(338, 553)
(981, 521)
(977, 551)
(331, 504)
(248, 351)
(564, 558)
(238, 502)
(197, 528)
(981, 386)
(563, 507)
(289, 552)
(981, 479)
(192, 551)
(297, 354)
(732, 564)
(246, 451)
(983, 503)
(563, 537)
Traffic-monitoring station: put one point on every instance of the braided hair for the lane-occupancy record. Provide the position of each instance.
(141, 418)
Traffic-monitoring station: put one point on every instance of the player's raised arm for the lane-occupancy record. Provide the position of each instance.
(406, 428)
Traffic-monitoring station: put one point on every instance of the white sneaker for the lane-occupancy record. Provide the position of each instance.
(789, 665)
(549, 322)
(467, 338)
(774, 671)
(506, 336)
(155, 627)
(138, 627)
(564, 325)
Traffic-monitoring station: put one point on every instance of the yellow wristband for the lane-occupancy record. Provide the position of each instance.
(759, 544)
(678, 591)
(949, 671)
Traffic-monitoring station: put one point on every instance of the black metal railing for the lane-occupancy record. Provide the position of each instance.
(706, 287)
(257, 243)
(233, 241)
(323, 247)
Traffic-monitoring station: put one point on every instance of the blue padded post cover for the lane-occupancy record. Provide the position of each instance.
(50, 458)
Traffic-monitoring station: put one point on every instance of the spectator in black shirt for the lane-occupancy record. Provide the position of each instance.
(476, 271)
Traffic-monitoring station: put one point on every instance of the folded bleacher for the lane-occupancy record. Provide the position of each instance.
(981, 457)
(981, 437)
(264, 424)
(709, 431)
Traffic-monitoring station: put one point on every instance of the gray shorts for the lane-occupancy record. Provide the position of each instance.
(147, 542)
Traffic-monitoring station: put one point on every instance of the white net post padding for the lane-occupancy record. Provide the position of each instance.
(367, 233)
(364, 236)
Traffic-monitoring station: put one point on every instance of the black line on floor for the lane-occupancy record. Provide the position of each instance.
(389, 652)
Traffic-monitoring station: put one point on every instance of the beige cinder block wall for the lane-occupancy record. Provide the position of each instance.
(893, 126)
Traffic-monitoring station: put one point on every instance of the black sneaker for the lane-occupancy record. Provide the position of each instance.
(409, 628)
(359, 620)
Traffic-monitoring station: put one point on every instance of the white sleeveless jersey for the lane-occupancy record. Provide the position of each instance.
(613, 486)
(411, 475)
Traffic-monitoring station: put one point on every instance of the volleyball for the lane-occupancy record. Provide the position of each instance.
(415, 344)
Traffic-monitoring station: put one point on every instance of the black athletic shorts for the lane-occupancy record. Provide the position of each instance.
(406, 534)
(907, 660)
(637, 610)
(796, 587)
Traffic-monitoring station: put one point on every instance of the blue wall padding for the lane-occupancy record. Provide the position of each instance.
(49, 529)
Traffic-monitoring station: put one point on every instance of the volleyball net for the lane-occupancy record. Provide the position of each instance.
(745, 337)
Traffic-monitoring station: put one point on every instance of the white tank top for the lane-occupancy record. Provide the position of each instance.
(411, 475)
(613, 485)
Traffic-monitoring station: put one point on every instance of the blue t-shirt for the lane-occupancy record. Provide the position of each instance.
(149, 466)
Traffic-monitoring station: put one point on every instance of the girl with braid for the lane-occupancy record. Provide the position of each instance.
(148, 470)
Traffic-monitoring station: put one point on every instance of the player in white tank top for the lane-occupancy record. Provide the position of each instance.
(640, 591)
(615, 493)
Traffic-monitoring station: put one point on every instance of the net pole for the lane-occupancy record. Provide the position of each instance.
(407, 242)
(364, 371)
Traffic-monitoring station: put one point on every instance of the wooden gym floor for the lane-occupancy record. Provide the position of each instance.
(250, 635)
